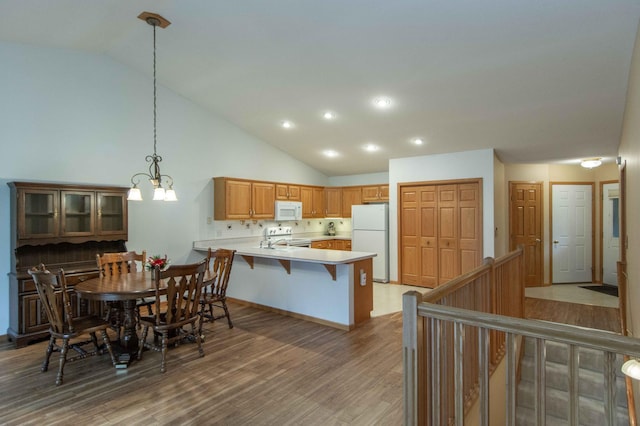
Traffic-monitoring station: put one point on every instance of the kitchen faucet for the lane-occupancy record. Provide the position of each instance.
(271, 243)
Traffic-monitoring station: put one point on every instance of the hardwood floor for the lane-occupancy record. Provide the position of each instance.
(600, 317)
(269, 369)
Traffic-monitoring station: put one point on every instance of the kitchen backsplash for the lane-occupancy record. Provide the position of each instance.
(247, 228)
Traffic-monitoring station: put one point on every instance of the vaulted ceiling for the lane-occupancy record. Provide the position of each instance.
(539, 81)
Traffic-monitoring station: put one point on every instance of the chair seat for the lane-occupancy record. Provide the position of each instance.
(85, 325)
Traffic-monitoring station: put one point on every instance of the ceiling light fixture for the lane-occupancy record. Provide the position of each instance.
(418, 141)
(286, 124)
(330, 153)
(382, 102)
(371, 147)
(590, 163)
(154, 175)
(328, 115)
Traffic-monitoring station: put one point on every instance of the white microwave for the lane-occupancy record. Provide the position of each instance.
(288, 210)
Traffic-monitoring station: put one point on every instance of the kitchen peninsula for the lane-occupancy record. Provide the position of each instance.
(330, 287)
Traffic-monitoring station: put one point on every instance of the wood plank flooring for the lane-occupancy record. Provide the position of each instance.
(269, 369)
(590, 316)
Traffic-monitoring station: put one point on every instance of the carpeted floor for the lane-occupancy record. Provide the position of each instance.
(611, 290)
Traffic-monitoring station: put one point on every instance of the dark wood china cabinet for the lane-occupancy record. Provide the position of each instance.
(62, 226)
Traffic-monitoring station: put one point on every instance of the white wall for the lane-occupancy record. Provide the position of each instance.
(461, 165)
(68, 116)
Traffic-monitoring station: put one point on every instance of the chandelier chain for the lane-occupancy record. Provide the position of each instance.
(154, 91)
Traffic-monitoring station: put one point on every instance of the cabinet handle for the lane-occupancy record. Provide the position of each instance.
(99, 212)
(55, 213)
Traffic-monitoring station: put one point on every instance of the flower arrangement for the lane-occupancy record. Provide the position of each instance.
(156, 261)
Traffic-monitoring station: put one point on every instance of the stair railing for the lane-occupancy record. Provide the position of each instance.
(434, 385)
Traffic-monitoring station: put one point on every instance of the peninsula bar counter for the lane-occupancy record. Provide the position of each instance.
(330, 287)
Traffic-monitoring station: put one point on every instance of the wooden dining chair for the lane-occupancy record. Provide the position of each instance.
(122, 263)
(183, 284)
(214, 293)
(55, 299)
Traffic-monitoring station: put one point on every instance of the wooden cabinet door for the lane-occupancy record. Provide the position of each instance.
(375, 193)
(333, 202)
(306, 196)
(370, 193)
(237, 199)
(347, 245)
(351, 196)
(263, 196)
(287, 192)
(111, 213)
(318, 201)
(319, 244)
(37, 213)
(384, 192)
(77, 213)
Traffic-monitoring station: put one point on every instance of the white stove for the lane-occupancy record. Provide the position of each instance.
(283, 235)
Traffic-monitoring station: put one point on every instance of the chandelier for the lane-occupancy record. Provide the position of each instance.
(154, 175)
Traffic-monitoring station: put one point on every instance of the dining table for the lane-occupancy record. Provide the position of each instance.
(125, 289)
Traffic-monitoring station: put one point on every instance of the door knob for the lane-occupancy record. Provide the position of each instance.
(556, 241)
(537, 240)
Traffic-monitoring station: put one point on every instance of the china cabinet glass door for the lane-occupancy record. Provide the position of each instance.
(40, 218)
(77, 213)
(112, 213)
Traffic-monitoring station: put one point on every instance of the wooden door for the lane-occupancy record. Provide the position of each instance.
(525, 228)
(470, 226)
(409, 240)
(448, 259)
(440, 232)
(428, 228)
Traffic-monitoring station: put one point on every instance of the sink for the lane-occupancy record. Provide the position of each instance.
(279, 247)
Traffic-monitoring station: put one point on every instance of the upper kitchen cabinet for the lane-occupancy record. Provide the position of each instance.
(351, 196)
(49, 213)
(372, 194)
(287, 192)
(333, 202)
(312, 198)
(243, 199)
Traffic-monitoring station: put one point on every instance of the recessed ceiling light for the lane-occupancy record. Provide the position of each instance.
(329, 115)
(286, 124)
(418, 141)
(330, 153)
(371, 147)
(382, 102)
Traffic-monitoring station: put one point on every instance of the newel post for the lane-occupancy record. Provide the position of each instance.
(412, 353)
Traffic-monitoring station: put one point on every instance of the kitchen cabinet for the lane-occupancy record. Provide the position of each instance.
(312, 198)
(351, 196)
(375, 193)
(287, 192)
(87, 219)
(243, 199)
(332, 244)
(333, 202)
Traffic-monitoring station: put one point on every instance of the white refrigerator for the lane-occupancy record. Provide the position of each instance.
(370, 233)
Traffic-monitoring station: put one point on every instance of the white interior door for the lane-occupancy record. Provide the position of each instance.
(572, 233)
(610, 232)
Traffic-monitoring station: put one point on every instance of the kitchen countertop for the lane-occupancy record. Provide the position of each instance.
(251, 247)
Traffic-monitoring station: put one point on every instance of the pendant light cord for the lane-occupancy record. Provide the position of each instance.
(154, 91)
